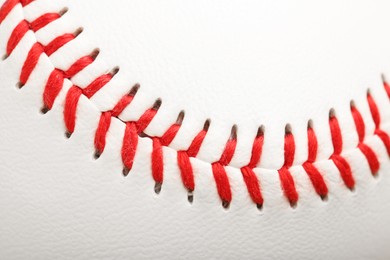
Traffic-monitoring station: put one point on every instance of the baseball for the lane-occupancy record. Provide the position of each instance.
(201, 129)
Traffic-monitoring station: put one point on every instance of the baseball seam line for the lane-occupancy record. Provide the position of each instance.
(135, 129)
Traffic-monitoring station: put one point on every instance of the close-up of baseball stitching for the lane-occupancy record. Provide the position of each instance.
(136, 129)
(179, 129)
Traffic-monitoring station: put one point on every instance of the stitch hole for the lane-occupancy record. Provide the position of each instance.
(206, 125)
(94, 53)
(157, 104)
(352, 104)
(310, 124)
(114, 71)
(157, 187)
(134, 90)
(78, 31)
(324, 198)
(97, 155)
(260, 131)
(180, 118)
(19, 85)
(4, 57)
(143, 135)
(68, 134)
(332, 113)
(259, 206)
(190, 196)
(288, 129)
(63, 11)
(233, 133)
(44, 109)
(225, 204)
(293, 205)
(125, 171)
(383, 78)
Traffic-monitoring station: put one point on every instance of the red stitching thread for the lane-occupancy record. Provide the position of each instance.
(183, 160)
(6, 8)
(340, 162)
(250, 179)
(43, 21)
(134, 130)
(219, 172)
(377, 121)
(157, 153)
(286, 179)
(366, 150)
(387, 88)
(315, 176)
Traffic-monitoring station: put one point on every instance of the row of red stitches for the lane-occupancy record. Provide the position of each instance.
(56, 78)
(135, 129)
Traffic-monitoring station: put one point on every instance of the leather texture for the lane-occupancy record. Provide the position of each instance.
(250, 64)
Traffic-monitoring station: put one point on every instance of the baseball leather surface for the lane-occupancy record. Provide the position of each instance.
(185, 129)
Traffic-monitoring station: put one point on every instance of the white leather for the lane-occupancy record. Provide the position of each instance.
(248, 63)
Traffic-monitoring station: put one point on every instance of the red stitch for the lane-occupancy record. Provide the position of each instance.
(96, 85)
(129, 146)
(377, 120)
(26, 2)
(105, 122)
(312, 144)
(230, 148)
(315, 176)
(249, 176)
(387, 88)
(374, 111)
(130, 141)
(220, 176)
(367, 151)
(359, 123)
(371, 158)
(170, 134)
(30, 62)
(57, 43)
(289, 149)
(286, 179)
(157, 154)
(70, 107)
(6, 8)
(157, 161)
(16, 36)
(183, 159)
(253, 186)
(385, 139)
(186, 171)
(78, 66)
(145, 119)
(341, 164)
(43, 20)
(345, 170)
(52, 89)
(335, 131)
(198, 140)
(121, 105)
(316, 179)
(257, 149)
(222, 182)
(101, 133)
(74, 93)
